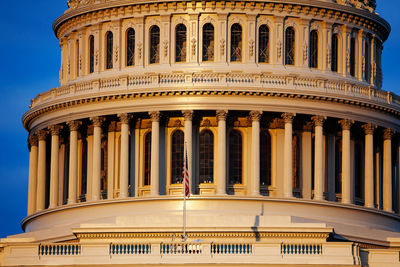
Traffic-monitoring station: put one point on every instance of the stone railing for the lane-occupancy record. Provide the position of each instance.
(130, 249)
(215, 81)
(180, 248)
(301, 249)
(59, 249)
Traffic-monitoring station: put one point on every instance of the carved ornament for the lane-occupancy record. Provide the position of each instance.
(369, 128)
(97, 121)
(318, 120)
(388, 134)
(188, 115)
(288, 117)
(346, 124)
(33, 140)
(55, 129)
(125, 118)
(221, 115)
(155, 116)
(42, 134)
(74, 125)
(255, 115)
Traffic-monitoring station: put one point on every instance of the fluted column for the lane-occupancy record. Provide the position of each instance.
(369, 164)
(41, 171)
(255, 152)
(188, 115)
(288, 156)
(155, 150)
(97, 122)
(221, 153)
(387, 170)
(318, 158)
(33, 167)
(124, 166)
(73, 161)
(54, 167)
(346, 171)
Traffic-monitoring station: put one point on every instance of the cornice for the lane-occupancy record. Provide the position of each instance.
(269, 86)
(346, 13)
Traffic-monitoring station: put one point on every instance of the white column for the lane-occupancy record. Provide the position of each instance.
(54, 168)
(73, 162)
(155, 150)
(369, 164)
(188, 115)
(288, 157)
(387, 170)
(41, 171)
(255, 152)
(346, 171)
(33, 167)
(318, 158)
(124, 166)
(97, 122)
(221, 153)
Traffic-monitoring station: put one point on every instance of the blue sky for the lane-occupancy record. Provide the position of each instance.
(31, 59)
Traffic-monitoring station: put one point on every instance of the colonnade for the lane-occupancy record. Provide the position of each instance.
(37, 167)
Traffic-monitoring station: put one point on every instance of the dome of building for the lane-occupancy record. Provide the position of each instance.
(214, 132)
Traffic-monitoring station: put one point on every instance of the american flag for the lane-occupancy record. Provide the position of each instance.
(185, 174)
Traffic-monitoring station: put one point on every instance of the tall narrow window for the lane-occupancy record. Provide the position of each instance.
(177, 157)
(104, 167)
(180, 40)
(338, 165)
(147, 158)
(130, 47)
(77, 63)
(296, 161)
(289, 46)
(236, 42)
(109, 50)
(367, 72)
(66, 172)
(353, 56)
(83, 181)
(313, 63)
(334, 53)
(263, 44)
(91, 54)
(265, 157)
(154, 45)
(206, 156)
(235, 157)
(208, 42)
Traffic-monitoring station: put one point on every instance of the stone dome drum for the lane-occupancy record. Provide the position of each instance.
(291, 143)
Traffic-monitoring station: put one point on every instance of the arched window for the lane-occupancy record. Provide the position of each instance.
(206, 156)
(208, 42)
(130, 47)
(263, 44)
(313, 63)
(147, 159)
(236, 42)
(235, 157)
(290, 46)
(154, 44)
(91, 54)
(180, 40)
(177, 157)
(265, 157)
(353, 56)
(334, 53)
(367, 48)
(109, 50)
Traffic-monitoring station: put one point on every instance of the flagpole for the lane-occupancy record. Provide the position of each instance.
(184, 193)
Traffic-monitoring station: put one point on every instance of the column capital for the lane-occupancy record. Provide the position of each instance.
(74, 125)
(221, 115)
(33, 140)
(188, 115)
(124, 118)
(255, 115)
(42, 134)
(155, 116)
(277, 123)
(308, 126)
(369, 128)
(288, 117)
(318, 120)
(97, 121)
(55, 129)
(346, 124)
(388, 134)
